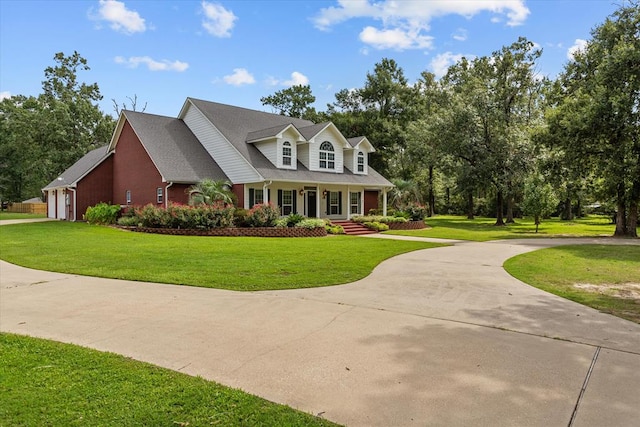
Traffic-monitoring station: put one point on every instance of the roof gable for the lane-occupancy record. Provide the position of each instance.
(271, 133)
(79, 169)
(361, 143)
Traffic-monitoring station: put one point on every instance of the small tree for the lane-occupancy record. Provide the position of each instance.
(539, 199)
(208, 191)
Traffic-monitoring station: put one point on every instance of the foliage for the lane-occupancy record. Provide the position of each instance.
(55, 384)
(595, 121)
(379, 218)
(282, 222)
(209, 192)
(376, 226)
(263, 215)
(310, 223)
(43, 135)
(205, 217)
(102, 213)
(539, 199)
(293, 219)
(240, 217)
(605, 268)
(416, 211)
(294, 101)
(334, 229)
(236, 263)
(128, 221)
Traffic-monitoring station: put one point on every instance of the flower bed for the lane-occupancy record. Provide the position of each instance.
(409, 225)
(236, 231)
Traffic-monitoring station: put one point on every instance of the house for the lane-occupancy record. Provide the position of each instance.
(300, 166)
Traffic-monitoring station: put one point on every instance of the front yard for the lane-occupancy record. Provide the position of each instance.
(235, 263)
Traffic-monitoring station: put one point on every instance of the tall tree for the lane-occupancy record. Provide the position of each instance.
(294, 101)
(598, 120)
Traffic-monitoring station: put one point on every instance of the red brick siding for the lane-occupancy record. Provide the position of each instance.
(370, 201)
(133, 170)
(179, 193)
(95, 188)
(238, 190)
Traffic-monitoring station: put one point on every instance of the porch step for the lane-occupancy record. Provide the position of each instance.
(353, 228)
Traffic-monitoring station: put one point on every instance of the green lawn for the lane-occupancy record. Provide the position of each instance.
(12, 215)
(44, 383)
(482, 229)
(237, 263)
(604, 277)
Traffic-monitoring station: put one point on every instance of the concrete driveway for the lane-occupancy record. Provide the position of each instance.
(435, 337)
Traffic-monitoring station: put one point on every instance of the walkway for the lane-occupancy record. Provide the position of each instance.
(435, 337)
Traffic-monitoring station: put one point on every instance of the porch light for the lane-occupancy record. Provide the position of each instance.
(324, 193)
(301, 191)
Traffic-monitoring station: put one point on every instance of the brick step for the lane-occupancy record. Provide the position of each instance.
(353, 228)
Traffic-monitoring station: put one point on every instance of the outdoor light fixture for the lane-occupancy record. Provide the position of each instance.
(324, 193)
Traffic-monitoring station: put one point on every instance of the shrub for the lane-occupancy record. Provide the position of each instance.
(282, 222)
(376, 226)
(263, 215)
(334, 229)
(102, 213)
(204, 217)
(310, 223)
(128, 221)
(293, 219)
(240, 217)
(377, 218)
(416, 211)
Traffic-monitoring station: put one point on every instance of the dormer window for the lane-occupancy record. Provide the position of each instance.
(327, 156)
(286, 153)
(360, 162)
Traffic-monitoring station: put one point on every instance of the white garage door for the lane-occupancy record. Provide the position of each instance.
(62, 208)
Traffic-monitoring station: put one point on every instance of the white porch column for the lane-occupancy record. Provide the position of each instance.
(384, 201)
(318, 197)
(348, 204)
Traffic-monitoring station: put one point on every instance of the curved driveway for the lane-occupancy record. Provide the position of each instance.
(434, 337)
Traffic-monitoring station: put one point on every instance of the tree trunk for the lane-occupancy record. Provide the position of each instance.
(579, 208)
(431, 195)
(567, 215)
(537, 221)
(470, 204)
(510, 219)
(632, 220)
(500, 203)
(621, 213)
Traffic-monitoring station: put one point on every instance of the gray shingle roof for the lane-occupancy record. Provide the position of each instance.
(266, 133)
(174, 149)
(76, 171)
(237, 123)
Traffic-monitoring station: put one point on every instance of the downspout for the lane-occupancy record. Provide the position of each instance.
(265, 192)
(166, 195)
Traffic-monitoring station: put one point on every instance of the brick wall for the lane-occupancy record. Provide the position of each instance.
(236, 232)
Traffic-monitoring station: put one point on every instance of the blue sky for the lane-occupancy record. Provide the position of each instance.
(236, 52)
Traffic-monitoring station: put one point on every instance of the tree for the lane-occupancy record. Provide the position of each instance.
(597, 121)
(208, 192)
(539, 199)
(133, 106)
(294, 101)
(44, 135)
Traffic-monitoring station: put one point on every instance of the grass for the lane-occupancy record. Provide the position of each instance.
(482, 229)
(606, 270)
(236, 263)
(55, 384)
(13, 215)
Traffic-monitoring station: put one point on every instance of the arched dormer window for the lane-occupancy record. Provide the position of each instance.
(286, 153)
(327, 156)
(360, 161)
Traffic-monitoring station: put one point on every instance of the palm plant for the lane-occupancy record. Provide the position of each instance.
(403, 193)
(209, 191)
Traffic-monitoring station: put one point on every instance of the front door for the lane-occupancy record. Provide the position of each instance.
(311, 203)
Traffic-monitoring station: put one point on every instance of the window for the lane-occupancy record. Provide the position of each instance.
(159, 195)
(334, 203)
(286, 153)
(256, 197)
(287, 202)
(127, 196)
(327, 156)
(360, 161)
(354, 202)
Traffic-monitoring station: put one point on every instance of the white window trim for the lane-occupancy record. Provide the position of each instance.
(287, 145)
(159, 195)
(292, 193)
(329, 157)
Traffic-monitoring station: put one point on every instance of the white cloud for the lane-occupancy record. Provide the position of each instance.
(152, 64)
(440, 63)
(395, 39)
(5, 94)
(239, 77)
(297, 79)
(579, 46)
(460, 35)
(218, 20)
(120, 18)
(404, 23)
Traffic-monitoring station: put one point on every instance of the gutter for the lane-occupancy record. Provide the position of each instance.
(166, 195)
